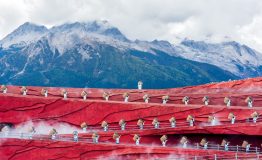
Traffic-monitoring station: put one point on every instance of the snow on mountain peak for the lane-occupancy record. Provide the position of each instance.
(230, 56)
(27, 26)
(95, 27)
(68, 35)
(24, 34)
(62, 35)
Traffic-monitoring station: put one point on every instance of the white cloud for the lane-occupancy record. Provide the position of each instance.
(252, 33)
(240, 20)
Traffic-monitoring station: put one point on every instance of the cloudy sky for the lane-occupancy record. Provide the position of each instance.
(213, 20)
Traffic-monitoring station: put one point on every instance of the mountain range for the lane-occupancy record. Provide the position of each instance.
(97, 54)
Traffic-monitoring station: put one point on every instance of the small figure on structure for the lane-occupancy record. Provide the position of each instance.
(184, 141)
(146, 98)
(106, 96)
(212, 120)
(75, 136)
(156, 123)
(83, 126)
(172, 121)
(163, 140)
(137, 138)
(185, 100)
(64, 93)
(53, 133)
(104, 125)
(6, 129)
(126, 97)
(95, 137)
(246, 145)
(232, 118)
(204, 143)
(24, 91)
(255, 116)
(44, 92)
(249, 101)
(227, 101)
(225, 144)
(191, 120)
(122, 124)
(139, 85)
(84, 95)
(3, 89)
(141, 123)
(116, 137)
(31, 131)
(165, 99)
(205, 100)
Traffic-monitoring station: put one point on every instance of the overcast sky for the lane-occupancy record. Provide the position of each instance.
(216, 20)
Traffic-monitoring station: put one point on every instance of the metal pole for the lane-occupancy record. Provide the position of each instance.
(237, 148)
(215, 157)
(236, 156)
(195, 157)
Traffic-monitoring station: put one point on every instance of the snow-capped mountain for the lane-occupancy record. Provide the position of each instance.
(97, 54)
(231, 56)
(23, 35)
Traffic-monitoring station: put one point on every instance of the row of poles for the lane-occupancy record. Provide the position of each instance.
(190, 121)
(184, 141)
(146, 97)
